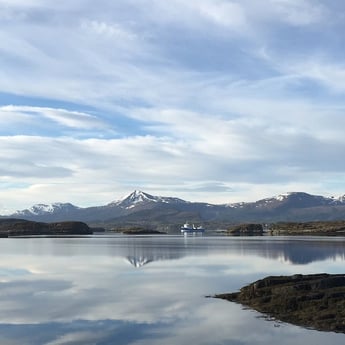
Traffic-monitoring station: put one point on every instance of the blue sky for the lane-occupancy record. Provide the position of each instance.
(209, 100)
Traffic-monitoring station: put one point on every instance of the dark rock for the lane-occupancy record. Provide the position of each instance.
(315, 301)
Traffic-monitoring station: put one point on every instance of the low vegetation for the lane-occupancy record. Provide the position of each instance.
(308, 228)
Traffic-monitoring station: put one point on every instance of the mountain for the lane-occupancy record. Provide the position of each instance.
(43, 209)
(295, 206)
(297, 200)
(164, 213)
(49, 213)
(142, 200)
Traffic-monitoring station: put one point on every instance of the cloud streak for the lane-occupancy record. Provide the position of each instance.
(63, 117)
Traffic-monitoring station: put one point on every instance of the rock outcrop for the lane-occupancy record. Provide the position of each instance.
(315, 301)
(19, 227)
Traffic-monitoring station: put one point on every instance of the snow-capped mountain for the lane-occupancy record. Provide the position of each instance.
(43, 209)
(293, 199)
(140, 198)
(142, 208)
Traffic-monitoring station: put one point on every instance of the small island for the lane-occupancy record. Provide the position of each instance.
(249, 229)
(317, 228)
(314, 301)
(19, 227)
(136, 230)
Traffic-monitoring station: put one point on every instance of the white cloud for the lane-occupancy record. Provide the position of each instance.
(112, 30)
(227, 151)
(67, 118)
(330, 75)
(224, 13)
(299, 12)
(82, 337)
(21, 3)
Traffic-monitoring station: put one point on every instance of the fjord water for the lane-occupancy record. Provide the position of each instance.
(151, 289)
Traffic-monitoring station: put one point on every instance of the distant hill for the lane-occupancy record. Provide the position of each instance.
(159, 212)
(21, 227)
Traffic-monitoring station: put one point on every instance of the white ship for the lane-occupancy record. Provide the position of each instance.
(191, 228)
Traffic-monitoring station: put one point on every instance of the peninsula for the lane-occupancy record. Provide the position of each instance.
(314, 301)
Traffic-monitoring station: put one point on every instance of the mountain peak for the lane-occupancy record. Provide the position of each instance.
(139, 194)
(139, 197)
(136, 197)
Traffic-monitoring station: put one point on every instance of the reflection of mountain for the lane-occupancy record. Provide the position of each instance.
(142, 250)
(138, 261)
(288, 250)
(300, 251)
(139, 256)
(310, 254)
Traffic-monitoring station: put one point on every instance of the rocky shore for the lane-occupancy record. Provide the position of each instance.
(314, 301)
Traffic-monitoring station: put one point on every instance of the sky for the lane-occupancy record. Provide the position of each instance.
(207, 100)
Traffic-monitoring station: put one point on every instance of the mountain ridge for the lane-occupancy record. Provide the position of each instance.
(140, 207)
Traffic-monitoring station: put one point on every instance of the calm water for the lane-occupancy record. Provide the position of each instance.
(150, 290)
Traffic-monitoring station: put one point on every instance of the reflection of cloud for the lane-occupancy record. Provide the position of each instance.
(77, 286)
(76, 338)
(206, 323)
(79, 332)
(7, 271)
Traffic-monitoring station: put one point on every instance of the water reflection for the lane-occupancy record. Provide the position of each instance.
(294, 250)
(149, 290)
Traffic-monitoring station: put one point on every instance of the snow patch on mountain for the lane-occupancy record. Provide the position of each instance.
(341, 199)
(282, 197)
(42, 209)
